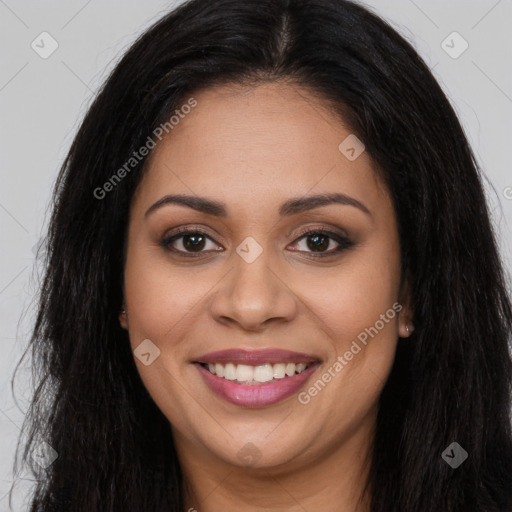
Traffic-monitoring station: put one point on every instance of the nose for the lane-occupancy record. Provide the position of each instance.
(252, 295)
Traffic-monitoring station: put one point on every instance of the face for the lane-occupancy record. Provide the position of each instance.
(284, 249)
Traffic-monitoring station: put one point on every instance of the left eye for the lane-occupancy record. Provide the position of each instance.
(319, 242)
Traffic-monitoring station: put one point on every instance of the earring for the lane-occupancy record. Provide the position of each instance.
(407, 329)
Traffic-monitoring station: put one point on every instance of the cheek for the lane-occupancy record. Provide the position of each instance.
(357, 308)
(161, 302)
(158, 296)
(352, 298)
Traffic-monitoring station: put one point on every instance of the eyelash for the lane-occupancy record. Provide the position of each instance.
(344, 242)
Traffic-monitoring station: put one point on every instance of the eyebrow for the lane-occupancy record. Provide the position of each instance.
(291, 207)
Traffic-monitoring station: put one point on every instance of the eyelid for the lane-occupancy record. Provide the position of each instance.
(322, 229)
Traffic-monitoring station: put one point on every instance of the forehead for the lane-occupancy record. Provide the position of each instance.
(248, 146)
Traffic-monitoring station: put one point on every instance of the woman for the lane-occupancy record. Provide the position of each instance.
(272, 281)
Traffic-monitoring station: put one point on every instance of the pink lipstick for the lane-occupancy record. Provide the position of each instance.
(256, 378)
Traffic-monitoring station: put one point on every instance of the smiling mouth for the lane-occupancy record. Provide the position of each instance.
(256, 375)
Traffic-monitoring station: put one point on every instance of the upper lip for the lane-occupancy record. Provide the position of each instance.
(256, 357)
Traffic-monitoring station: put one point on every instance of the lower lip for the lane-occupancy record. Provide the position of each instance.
(256, 395)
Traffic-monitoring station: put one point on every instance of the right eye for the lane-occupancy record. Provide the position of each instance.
(189, 242)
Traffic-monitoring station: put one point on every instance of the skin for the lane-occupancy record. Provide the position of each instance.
(253, 148)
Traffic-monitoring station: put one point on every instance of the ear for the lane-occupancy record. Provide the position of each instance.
(406, 316)
(123, 318)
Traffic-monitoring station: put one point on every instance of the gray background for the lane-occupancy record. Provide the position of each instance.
(43, 100)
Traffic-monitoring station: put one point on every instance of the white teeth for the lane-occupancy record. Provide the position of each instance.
(244, 372)
(299, 368)
(290, 369)
(279, 370)
(219, 370)
(230, 371)
(262, 373)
